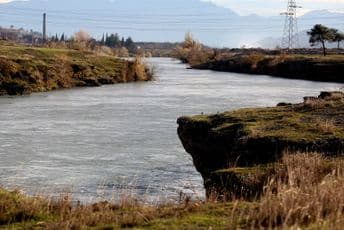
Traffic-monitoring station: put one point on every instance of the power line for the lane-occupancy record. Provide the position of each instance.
(153, 22)
(115, 14)
(150, 21)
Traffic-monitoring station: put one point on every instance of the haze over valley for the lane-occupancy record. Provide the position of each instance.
(161, 21)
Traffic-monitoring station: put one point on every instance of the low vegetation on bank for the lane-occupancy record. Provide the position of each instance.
(255, 140)
(308, 194)
(308, 64)
(25, 69)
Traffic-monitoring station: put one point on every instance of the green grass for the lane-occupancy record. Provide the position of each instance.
(294, 122)
(25, 69)
(317, 57)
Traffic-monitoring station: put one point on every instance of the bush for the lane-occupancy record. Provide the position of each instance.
(142, 73)
(192, 51)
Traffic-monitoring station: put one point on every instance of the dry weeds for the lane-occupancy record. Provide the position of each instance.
(310, 194)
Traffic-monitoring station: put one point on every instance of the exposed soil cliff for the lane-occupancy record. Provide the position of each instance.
(25, 70)
(307, 68)
(255, 138)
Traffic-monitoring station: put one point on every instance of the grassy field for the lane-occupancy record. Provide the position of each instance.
(309, 195)
(25, 69)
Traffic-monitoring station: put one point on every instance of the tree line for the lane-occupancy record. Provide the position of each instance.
(112, 41)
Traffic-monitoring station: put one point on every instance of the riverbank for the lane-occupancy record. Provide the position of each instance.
(255, 140)
(300, 189)
(309, 195)
(25, 70)
(306, 67)
(306, 64)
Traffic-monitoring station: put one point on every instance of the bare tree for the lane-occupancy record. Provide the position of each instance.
(82, 36)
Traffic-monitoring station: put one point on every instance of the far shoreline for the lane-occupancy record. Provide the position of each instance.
(25, 70)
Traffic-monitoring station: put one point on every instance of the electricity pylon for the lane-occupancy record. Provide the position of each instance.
(290, 38)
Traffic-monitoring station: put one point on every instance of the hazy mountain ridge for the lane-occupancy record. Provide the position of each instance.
(306, 22)
(155, 20)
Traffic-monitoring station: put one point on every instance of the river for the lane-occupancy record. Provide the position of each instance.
(102, 143)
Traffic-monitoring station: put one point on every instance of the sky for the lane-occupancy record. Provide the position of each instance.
(273, 7)
(270, 7)
(211, 25)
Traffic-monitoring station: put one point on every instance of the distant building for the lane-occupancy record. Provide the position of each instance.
(20, 35)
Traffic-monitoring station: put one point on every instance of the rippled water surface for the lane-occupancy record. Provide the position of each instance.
(99, 142)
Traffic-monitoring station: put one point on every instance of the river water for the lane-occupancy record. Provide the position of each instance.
(97, 143)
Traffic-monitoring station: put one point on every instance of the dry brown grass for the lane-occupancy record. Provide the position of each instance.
(326, 125)
(252, 60)
(313, 102)
(311, 194)
(20, 211)
(142, 72)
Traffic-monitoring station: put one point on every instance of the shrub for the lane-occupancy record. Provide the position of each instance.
(142, 73)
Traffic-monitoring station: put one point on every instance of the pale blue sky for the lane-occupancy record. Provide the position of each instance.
(270, 7)
(169, 20)
(273, 7)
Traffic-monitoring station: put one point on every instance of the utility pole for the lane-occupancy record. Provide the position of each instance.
(290, 38)
(44, 27)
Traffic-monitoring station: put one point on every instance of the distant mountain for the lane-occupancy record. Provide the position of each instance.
(148, 20)
(273, 42)
(306, 22)
(153, 20)
(324, 17)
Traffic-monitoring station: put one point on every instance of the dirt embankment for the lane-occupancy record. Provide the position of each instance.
(256, 139)
(294, 67)
(24, 70)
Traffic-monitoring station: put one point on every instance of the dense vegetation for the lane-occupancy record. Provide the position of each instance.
(25, 69)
